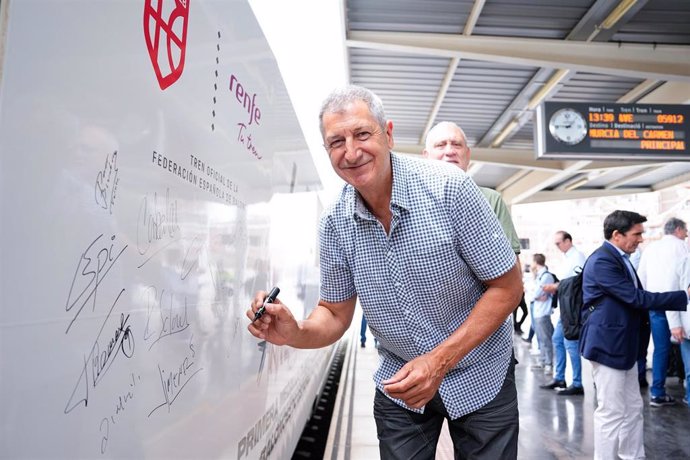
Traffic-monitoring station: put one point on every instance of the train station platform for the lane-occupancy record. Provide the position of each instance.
(552, 426)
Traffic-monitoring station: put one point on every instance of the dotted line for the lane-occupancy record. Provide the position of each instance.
(215, 84)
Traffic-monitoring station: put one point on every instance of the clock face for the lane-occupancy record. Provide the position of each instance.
(568, 126)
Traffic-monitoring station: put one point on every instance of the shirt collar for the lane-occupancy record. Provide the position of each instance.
(399, 195)
(619, 250)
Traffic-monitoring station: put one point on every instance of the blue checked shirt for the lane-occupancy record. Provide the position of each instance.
(419, 283)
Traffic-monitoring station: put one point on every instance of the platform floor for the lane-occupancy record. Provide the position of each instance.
(551, 426)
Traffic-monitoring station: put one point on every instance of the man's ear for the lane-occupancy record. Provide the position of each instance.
(425, 153)
(389, 134)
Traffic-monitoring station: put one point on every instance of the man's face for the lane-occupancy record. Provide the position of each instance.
(358, 149)
(448, 144)
(630, 240)
(681, 233)
(561, 244)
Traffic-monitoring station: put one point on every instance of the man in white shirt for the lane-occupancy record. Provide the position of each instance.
(574, 261)
(658, 272)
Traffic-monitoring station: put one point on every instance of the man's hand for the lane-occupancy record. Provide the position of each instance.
(677, 333)
(277, 325)
(416, 382)
(550, 288)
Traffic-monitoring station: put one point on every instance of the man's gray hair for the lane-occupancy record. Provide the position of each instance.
(427, 142)
(340, 98)
(672, 224)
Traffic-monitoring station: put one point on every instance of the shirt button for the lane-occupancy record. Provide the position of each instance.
(397, 285)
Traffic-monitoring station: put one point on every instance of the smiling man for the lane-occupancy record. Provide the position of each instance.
(615, 313)
(418, 245)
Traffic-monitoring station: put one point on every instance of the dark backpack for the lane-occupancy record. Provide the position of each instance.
(570, 300)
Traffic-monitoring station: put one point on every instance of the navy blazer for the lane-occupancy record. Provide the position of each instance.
(615, 312)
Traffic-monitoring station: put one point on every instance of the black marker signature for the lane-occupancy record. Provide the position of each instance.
(97, 362)
(94, 264)
(161, 319)
(173, 382)
(191, 257)
(106, 183)
(120, 406)
(154, 225)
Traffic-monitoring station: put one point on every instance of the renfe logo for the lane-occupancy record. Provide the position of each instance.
(248, 101)
(167, 65)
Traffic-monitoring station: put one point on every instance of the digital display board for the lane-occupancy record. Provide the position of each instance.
(595, 131)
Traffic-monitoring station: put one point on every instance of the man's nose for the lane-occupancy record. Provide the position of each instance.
(351, 150)
(448, 149)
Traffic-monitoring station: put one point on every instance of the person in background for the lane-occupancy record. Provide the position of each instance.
(517, 323)
(642, 362)
(574, 261)
(658, 272)
(363, 332)
(446, 141)
(436, 277)
(679, 324)
(542, 310)
(615, 316)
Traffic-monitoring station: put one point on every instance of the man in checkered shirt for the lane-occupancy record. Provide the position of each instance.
(420, 247)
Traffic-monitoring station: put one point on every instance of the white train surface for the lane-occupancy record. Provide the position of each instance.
(149, 160)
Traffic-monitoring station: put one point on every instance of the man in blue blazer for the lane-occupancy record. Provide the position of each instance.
(612, 339)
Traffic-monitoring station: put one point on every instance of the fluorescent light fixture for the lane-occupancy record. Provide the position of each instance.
(578, 183)
(547, 88)
(617, 13)
(504, 133)
(538, 97)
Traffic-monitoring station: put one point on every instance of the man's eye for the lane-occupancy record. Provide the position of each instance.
(363, 135)
(336, 144)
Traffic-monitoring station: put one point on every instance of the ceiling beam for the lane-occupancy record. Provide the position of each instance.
(671, 182)
(536, 181)
(545, 195)
(631, 177)
(672, 92)
(440, 96)
(512, 179)
(525, 159)
(612, 165)
(661, 62)
(637, 92)
(452, 68)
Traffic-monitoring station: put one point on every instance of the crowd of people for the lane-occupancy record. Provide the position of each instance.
(434, 262)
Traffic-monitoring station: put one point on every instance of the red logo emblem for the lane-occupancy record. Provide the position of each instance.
(168, 62)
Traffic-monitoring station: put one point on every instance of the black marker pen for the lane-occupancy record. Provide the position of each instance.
(270, 298)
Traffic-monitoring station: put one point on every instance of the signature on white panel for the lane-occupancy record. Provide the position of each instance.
(93, 266)
(105, 190)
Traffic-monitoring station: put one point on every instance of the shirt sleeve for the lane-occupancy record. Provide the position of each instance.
(337, 281)
(504, 218)
(480, 240)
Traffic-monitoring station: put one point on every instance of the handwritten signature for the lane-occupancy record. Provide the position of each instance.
(107, 180)
(120, 406)
(155, 225)
(93, 266)
(173, 382)
(246, 140)
(98, 362)
(163, 318)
